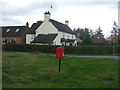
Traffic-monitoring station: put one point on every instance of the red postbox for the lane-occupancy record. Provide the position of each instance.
(60, 52)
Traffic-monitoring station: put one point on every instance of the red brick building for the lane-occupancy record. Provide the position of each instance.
(14, 34)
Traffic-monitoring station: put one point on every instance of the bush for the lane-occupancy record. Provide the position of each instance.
(68, 49)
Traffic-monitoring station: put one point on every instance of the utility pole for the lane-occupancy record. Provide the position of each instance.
(113, 44)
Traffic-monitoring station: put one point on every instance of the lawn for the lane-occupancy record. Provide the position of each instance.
(36, 70)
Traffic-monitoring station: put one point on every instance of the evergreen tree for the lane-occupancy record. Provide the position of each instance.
(85, 35)
(87, 39)
(91, 33)
(115, 29)
(99, 31)
(115, 33)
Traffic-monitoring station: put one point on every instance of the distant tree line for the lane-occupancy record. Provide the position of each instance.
(86, 35)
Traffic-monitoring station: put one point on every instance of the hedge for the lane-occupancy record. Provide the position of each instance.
(89, 50)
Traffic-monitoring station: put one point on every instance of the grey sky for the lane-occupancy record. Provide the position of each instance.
(79, 13)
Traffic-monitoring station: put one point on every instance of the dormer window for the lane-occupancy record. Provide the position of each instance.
(8, 30)
(17, 30)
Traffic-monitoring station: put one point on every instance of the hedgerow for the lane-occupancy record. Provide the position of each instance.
(68, 49)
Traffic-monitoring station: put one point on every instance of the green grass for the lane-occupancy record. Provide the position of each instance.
(36, 70)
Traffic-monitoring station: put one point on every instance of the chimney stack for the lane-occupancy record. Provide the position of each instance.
(67, 22)
(47, 15)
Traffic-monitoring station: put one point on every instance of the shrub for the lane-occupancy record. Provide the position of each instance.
(68, 49)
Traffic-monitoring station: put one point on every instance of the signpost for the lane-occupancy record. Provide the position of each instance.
(60, 55)
(59, 64)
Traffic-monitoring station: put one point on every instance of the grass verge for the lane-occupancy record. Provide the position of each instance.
(36, 70)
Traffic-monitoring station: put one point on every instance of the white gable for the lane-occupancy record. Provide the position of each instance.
(46, 28)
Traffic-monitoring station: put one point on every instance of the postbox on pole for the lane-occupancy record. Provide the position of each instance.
(60, 55)
(60, 52)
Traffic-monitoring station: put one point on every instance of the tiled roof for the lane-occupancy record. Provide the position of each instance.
(45, 38)
(34, 27)
(13, 31)
(61, 27)
(97, 38)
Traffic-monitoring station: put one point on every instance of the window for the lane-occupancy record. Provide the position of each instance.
(17, 30)
(13, 40)
(68, 36)
(55, 43)
(8, 30)
(3, 41)
(32, 36)
(72, 36)
(63, 34)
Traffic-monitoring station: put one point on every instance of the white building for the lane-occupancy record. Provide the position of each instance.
(50, 32)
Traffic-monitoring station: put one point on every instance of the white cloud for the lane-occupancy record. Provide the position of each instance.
(80, 13)
(90, 17)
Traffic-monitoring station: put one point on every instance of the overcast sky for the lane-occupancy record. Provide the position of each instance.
(80, 13)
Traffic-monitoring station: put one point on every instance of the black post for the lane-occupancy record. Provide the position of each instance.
(59, 64)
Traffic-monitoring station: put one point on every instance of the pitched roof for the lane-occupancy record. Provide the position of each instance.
(61, 27)
(45, 38)
(13, 31)
(34, 27)
(97, 38)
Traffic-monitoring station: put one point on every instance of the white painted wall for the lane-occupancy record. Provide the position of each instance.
(46, 28)
(29, 38)
(68, 36)
(46, 17)
(58, 38)
(60, 35)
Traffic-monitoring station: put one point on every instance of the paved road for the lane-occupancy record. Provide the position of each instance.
(112, 57)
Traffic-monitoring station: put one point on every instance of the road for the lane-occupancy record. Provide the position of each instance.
(112, 57)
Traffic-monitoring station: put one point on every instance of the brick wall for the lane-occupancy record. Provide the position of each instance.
(15, 40)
